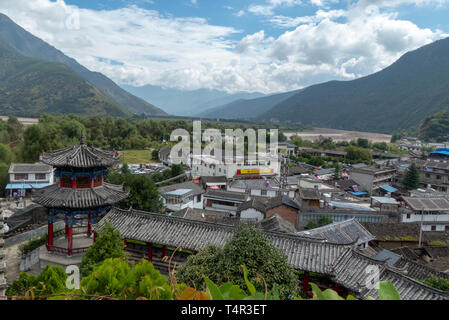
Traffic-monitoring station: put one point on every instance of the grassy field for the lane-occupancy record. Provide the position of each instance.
(136, 156)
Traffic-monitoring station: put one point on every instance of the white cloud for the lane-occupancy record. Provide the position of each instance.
(137, 46)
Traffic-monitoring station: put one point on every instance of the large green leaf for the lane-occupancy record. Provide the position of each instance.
(387, 291)
(213, 290)
(250, 286)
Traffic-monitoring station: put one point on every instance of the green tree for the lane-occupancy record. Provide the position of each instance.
(248, 247)
(438, 283)
(109, 244)
(114, 277)
(411, 177)
(297, 141)
(50, 281)
(143, 194)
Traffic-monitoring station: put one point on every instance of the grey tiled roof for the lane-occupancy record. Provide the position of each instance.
(309, 194)
(227, 195)
(344, 232)
(278, 224)
(255, 184)
(343, 263)
(80, 156)
(350, 271)
(29, 168)
(54, 196)
(255, 203)
(302, 253)
(427, 204)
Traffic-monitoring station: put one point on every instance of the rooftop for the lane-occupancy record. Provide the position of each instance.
(80, 156)
(427, 204)
(344, 232)
(30, 168)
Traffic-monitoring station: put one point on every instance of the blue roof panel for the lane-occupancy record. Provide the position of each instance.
(388, 188)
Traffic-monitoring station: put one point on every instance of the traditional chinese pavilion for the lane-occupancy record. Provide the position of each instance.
(80, 196)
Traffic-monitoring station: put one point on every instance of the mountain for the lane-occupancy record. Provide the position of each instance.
(436, 127)
(399, 97)
(29, 87)
(247, 108)
(186, 103)
(31, 46)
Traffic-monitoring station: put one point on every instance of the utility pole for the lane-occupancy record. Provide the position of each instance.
(420, 229)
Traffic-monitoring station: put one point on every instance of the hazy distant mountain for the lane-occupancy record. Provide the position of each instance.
(31, 46)
(186, 103)
(30, 87)
(247, 108)
(398, 97)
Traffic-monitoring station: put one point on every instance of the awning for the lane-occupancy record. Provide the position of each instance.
(388, 188)
(14, 186)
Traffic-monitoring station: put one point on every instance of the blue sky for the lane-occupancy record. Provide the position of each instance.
(258, 45)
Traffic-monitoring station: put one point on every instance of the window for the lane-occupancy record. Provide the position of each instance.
(433, 228)
(446, 228)
(21, 176)
(66, 182)
(40, 176)
(438, 177)
(263, 192)
(408, 215)
(82, 182)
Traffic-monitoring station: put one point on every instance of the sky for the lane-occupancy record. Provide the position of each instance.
(265, 46)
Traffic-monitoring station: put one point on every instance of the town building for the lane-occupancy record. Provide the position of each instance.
(395, 235)
(213, 182)
(183, 195)
(433, 213)
(255, 187)
(23, 177)
(80, 198)
(387, 204)
(372, 178)
(207, 165)
(434, 174)
(286, 148)
(220, 200)
(259, 208)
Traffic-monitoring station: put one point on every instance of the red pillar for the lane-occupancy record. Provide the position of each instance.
(74, 183)
(69, 241)
(89, 226)
(306, 282)
(60, 182)
(91, 183)
(164, 251)
(66, 230)
(150, 252)
(50, 233)
(95, 236)
(336, 287)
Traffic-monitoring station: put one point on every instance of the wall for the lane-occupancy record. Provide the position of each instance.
(286, 213)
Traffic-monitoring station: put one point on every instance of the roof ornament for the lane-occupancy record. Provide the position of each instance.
(82, 137)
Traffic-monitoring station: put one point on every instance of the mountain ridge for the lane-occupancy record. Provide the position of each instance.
(398, 97)
(31, 46)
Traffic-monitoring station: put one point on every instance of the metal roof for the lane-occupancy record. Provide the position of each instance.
(385, 200)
